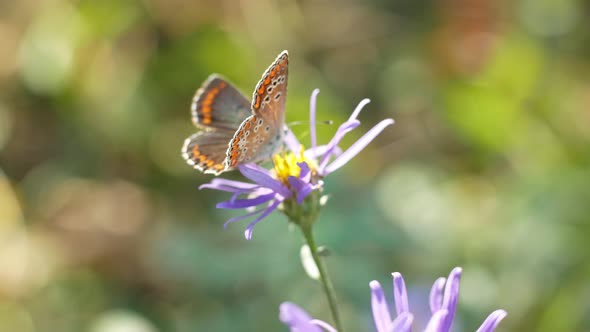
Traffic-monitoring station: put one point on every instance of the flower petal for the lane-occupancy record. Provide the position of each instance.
(227, 185)
(380, 308)
(324, 325)
(358, 109)
(402, 323)
(305, 172)
(304, 193)
(436, 294)
(302, 189)
(358, 146)
(254, 192)
(263, 177)
(492, 321)
(340, 133)
(244, 203)
(242, 217)
(321, 150)
(296, 318)
(291, 141)
(451, 297)
(296, 183)
(436, 321)
(312, 128)
(400, 294)
(273, 206)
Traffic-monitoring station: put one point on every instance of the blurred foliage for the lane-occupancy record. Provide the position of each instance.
(102, 228)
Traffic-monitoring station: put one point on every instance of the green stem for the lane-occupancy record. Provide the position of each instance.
(324, 278)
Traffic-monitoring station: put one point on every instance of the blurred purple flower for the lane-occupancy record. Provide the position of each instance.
(300, 321)
(296, 174)
(443, 305)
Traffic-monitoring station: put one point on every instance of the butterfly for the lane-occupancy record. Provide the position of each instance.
(233, 130)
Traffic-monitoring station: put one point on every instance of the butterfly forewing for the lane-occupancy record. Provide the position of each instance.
(270, 94)
(218, 104)
(261, 134)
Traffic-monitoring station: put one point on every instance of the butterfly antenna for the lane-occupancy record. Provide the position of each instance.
(297, 123)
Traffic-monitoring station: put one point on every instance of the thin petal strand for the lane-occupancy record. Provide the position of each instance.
(492, 321)
(400, 294)
(227, 185)
(358, 109)
(321, 150)
(340, 133)
(269, 210)
(296, 318)
(312, 118)
(451, 296)
(358, 146)
(436, 294)
(380, 308)
(244, 203)
(436, 321)
(242, 217)
(323, 325)
(292, 142)
(402, 323)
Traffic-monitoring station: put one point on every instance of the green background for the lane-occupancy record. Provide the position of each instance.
(102, 228)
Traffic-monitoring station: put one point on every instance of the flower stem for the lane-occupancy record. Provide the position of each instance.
(324, 278)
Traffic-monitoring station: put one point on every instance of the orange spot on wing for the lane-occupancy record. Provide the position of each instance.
(257, 104)
(208, 100)
(196, 151)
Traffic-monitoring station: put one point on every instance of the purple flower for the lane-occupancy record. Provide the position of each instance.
(297, 177)
(443, 305)
(300, 321)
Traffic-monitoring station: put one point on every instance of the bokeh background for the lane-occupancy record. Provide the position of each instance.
(102, 228)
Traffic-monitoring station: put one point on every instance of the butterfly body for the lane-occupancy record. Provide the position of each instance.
(235, 131)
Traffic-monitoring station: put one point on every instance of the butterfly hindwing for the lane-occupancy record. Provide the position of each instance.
(254, 141)
(218, 104)
(206, 150)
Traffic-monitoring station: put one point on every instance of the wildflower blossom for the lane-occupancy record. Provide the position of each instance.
(443, 305)
(295, 183)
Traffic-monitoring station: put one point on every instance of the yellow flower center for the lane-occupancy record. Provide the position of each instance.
(286, 165)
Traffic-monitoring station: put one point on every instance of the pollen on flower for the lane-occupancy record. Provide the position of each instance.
(286, 164)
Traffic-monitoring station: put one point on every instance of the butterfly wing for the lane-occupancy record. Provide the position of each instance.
(270, 96)
(261, 134)
(205, 150)
(218, 109)
(218, 104)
